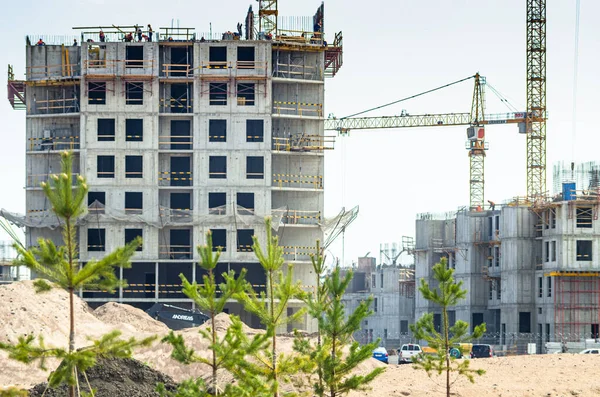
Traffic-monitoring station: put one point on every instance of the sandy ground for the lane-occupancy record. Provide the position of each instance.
(23, 313)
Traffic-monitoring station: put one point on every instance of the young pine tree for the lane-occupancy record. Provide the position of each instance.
(337, 331)
(448, 294)
(226, 352)
(270, 306)
(60, 265)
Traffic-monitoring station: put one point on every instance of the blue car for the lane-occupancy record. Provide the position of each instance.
(381, 354)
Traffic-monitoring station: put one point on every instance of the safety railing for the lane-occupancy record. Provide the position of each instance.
(244, 248)
(217, 174)
(67, 142)
(134, 211)
(303, 143)
(220, 210)
(148, 290)
(116, 66)
(43, 72)
(221, 68)
(175, 142)
(171, 215)
(297, 217)
(295, 71)
(298, 181)
(299, 36)
(298, 109)
(175, 178)
(176, 105)
(55, 106)
(176, 70)
(175, 251)
(36, 179)
(294, 252)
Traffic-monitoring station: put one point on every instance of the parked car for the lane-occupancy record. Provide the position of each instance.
(590, 351)
(482, 351)
(407, 351)
(381, 354)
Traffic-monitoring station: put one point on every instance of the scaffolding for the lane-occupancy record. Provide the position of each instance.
(15, 90)
(576, 304)
(303, 143)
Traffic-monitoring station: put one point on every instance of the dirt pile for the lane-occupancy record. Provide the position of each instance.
(127, 316)
(118, 377)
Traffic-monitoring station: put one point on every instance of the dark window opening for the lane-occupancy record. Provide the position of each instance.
(246, 94)
(246, 200)
(540, 287)
(404, 326)
(181, 174)
(180, 247)
(97, 93)
(134, 166)
(477, 320)
(217, 130)
(217, 167)
(524, 322)
(134, 202)
(217, 57)
(134, 56)
(106, 130)
(245, 57)
(181, 61)
(181, 98)
(217, 203)
(105, 166)
(181, 136)
(375, 305)
(181, 201)
(218, 94)
(96, 202)
(437, 321)
(132, 234)
(584, 217)
(255, 167)
(96, 239)
(244, 240)
(255, 130)
(549, 282)
(547, 251)
(134, 93)
(595, 331)
(134, 130)
(584, 250)
(219, 239)
(547, 332)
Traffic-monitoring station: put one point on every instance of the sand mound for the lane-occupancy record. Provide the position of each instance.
(124, 315)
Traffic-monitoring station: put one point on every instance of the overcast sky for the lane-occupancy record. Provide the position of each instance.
(392, 49)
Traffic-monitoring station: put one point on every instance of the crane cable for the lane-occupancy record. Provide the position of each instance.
(575, 78)
(503, 99)
(410, 97)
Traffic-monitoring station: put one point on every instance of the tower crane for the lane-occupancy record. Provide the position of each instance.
(476, 121)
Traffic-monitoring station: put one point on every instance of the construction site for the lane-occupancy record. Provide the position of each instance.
(192, 132)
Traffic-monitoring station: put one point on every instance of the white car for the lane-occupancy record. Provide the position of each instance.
(590, 351)
(407, 351)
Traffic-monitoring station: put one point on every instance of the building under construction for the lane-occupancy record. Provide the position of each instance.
(182, 133)
(528, 270)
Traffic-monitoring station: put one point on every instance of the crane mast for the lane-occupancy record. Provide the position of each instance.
(536, 100)
(477, 146)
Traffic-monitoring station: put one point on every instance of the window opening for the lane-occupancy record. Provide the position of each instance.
(106, 130)
(181, 98)
(553, 251)
(255, 130)
(134, 93)
(255, 167)
(217, 167)
(105, 166)
(218, 94)
(217, 203)
(96, 239)
(134, 202)
(217, 130)
(181, 174)
(97, 93)
(219, 237)
(246, 94)
(134, 166)
(584, 250)
(549, 282)
(134, 56)
(217, 57)
(180, 247)
(525, 322)
(244, 240)
(180, 61)
(181, 136)
(96, 202)
(181, 201)
(246, 201)
(245, 57)
(584, 217)
(134, 130)
(132, 234)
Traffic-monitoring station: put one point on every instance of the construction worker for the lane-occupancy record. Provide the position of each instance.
(74, 42)
(102, 37)
(40, 42)
(139, 34)
(492, 205)
(150, 31)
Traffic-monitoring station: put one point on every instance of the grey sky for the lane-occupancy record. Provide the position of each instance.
(392, 49)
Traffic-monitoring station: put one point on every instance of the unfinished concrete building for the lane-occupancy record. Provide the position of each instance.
(393, 292)
(182, 135)
(532, 273)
